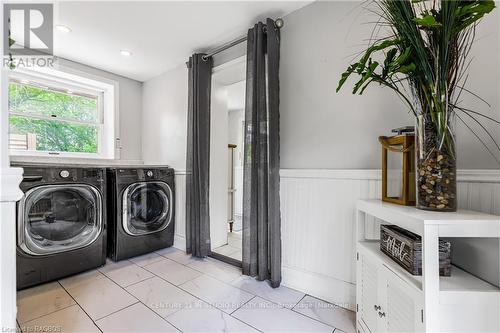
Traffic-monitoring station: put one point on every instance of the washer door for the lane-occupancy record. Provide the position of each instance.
(146, 207)
(58, 218)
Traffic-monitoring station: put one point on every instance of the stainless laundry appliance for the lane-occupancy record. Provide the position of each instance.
(60, 222)
(141, 210)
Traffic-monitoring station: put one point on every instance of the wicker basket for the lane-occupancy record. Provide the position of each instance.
(405, 248)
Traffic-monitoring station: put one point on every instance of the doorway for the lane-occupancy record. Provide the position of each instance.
(226, 160)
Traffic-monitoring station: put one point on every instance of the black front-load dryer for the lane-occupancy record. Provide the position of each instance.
(60, 222)
(141, 210)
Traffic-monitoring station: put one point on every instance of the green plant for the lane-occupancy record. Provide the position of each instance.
(423, 58)
(30, 106)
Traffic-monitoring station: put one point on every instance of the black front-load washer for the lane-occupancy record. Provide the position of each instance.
(141, 210)
(61, 228)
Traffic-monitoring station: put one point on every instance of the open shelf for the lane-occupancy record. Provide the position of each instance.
(459, 281)
(462, 223)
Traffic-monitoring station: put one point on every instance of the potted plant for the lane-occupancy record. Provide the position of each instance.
(423, 58)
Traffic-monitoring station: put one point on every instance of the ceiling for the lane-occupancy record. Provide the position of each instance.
(160, 35)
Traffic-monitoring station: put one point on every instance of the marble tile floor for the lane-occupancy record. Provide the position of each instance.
(168, 291)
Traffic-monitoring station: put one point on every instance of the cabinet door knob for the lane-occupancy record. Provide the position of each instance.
(377, 307)
(381, 314)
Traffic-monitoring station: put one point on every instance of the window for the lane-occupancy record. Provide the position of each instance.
(59, 117)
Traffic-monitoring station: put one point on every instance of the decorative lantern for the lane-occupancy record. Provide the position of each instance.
(398, 166)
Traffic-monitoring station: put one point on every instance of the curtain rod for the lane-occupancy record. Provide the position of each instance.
(278, 24)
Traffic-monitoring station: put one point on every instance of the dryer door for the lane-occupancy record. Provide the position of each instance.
(58, 218)
(147, 207)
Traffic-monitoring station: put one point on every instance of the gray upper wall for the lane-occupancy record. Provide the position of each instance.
(322, 129)
(130, 109)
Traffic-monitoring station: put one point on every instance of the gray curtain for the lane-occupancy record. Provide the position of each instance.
(198, 157)
(261, 201)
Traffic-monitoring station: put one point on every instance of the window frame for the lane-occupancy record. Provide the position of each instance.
(107, 116)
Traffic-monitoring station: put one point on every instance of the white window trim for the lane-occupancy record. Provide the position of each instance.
(109, 139)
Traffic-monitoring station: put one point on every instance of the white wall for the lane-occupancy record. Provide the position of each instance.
(130, 116)
(164, 125)
(320, 129)
(236, 105)
(218, 164)
(164, 134)
(236, 119)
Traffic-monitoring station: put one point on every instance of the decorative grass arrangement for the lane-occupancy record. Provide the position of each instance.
(424, 60)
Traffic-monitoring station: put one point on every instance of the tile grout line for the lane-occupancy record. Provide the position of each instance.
(181, 289)
(138, 300)
(231, 285)
(48, 313)
(171, 282)
(133, 284)
(319, 321)
(178, 287)
(163, 318)
(112, 313)
(196, 297)
(293, 309)
(79, 305)
(195, 260)
(231, 315)
(242, 305)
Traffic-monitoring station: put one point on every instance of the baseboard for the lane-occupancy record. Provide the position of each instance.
(180, 242)
(337, 292)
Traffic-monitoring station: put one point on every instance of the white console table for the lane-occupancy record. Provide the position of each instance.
(389, 299)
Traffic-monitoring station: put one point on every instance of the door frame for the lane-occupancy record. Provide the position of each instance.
(10, 178)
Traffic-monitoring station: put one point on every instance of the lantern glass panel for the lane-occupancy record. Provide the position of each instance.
(395, 173)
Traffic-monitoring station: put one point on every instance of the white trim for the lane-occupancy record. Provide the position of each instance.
(464, 175)
(56, 119)
(180, 172)
(374, 174)
(479, 176)
(108, 123)
(335, 291)
(10, 178)
(180, 242)
(72, 160)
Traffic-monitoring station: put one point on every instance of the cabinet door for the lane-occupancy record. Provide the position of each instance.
(368, 292)
(402, 305)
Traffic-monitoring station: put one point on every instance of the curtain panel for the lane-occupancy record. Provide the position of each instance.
(261, 201)
(198, 157)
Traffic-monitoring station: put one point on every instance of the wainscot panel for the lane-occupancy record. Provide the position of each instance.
(318, 214)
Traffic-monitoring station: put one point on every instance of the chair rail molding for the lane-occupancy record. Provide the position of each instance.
(463, 175)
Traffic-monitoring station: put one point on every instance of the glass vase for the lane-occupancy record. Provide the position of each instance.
(436, 166)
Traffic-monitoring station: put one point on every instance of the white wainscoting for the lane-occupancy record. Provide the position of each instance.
(317, 213)
(180, 210)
